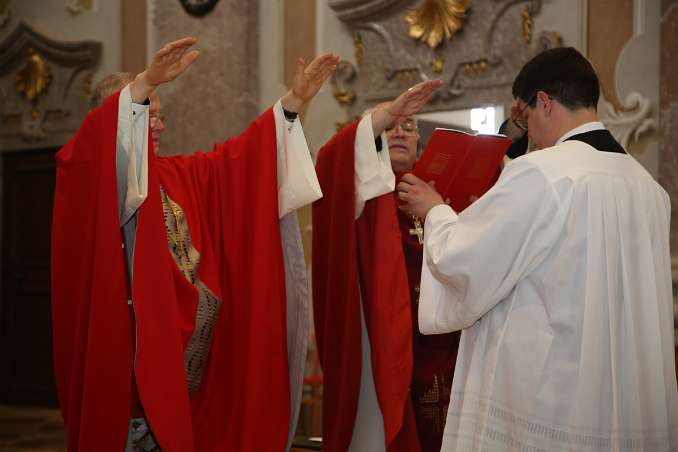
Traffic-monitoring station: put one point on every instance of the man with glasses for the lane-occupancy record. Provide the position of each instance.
(178, 283)
(560, 278)
(386, 386)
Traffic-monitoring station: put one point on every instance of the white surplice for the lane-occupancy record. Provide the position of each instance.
(560, 278)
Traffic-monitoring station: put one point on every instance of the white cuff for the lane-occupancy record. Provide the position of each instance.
(373, 173)
(297, 181)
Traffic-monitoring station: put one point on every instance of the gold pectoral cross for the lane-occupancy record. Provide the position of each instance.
(418, 230)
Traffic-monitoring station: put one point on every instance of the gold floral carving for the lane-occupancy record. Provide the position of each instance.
(344, 96)
(87, 86)
(527, 25)
(406, 75)
(437, 64)
(34, 78)
(475, 68)
(436, 19)
(359, 48)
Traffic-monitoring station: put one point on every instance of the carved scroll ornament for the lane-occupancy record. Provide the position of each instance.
(493, 40)
(43, 88)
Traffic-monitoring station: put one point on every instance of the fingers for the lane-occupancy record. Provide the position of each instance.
(189, 58)
(182, 43)
(322, 67)
(323, 61)
(425, 88)
(175, 50)
(411, 179)
(412, 100)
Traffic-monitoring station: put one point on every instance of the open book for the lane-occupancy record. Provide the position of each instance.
(461, 164)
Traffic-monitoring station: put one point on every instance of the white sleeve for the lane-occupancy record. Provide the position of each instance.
(472, 261)
(297, 181)
(373, 174)
(131, 155)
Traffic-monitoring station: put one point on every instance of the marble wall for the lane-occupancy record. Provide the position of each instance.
(219, 95)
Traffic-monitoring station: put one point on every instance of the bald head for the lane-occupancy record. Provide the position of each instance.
(108, 85)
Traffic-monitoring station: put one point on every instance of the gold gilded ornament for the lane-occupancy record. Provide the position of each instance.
(436, 19)
(35, 76)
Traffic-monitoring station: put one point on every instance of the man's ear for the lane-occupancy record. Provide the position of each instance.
(546, 100)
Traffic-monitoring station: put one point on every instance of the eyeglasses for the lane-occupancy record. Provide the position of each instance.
(518, 119)
(408, 128)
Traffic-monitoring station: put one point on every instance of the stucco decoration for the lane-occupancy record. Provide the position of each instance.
(638, 114)
(44, 88)
(628, 124)
(478, 65)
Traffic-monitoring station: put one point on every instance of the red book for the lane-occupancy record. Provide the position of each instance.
(461, 164)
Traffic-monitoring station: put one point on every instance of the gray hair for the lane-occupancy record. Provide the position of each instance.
(108, 85)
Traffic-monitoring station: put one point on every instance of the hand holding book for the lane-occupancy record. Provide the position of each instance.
(417, 197)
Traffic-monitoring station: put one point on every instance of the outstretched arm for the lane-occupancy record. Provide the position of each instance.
(132, 133)
(297, 181)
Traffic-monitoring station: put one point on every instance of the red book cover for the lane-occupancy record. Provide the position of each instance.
(461, 164)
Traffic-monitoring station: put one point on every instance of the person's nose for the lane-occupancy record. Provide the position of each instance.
(398, 131)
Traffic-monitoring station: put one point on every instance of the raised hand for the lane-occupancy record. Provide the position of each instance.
(407, 104)
(168, 63)
(308, 79)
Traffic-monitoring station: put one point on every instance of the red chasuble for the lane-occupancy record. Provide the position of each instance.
(354, 259)
(229, 198)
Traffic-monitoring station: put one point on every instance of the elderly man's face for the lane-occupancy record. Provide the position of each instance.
(402, 144)
(156, 119)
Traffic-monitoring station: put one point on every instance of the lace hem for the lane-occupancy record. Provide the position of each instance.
(478, 424)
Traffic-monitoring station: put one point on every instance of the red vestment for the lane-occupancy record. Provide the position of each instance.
(434, 355)
(377, 255)
(354, 259)
(230, 200)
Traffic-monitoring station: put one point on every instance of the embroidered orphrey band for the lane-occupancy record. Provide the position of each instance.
(187, 259)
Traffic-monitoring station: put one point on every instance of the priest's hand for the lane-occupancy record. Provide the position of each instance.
(308, 79)
(417, 196)
(407, 104)
(168, 63)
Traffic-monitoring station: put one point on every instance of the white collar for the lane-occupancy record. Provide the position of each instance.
(587, 127)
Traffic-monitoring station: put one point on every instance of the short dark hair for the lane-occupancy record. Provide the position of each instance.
(108, 85)
(564, 74)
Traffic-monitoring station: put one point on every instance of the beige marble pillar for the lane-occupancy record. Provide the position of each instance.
(218, 96)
